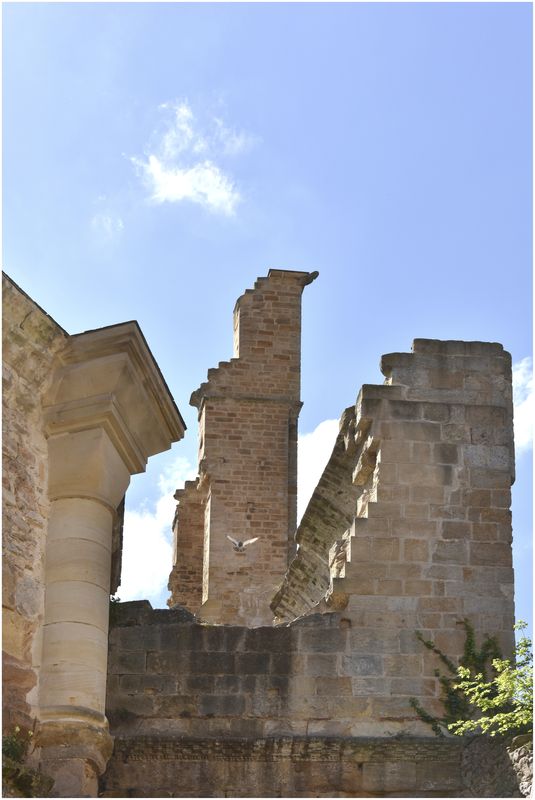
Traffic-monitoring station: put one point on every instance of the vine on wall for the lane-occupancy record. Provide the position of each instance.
(457, 704)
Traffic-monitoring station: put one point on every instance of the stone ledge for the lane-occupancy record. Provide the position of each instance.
(365, 749)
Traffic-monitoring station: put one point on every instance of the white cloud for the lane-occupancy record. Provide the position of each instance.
(524, 402)
(233, 142)
(106, 226)
(181, 163)
(147, 536)
(203, 183)
(313, 453)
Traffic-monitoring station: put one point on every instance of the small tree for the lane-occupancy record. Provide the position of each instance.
(503, 705)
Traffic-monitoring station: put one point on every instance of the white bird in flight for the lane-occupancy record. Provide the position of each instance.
(239, 547)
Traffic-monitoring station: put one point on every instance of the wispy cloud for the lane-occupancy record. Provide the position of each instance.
(181, 162)
(524, 402)
(314, 450)
(147, 548)
(106, 227)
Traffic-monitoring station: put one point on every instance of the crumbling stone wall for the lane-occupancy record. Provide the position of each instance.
(168, 673)
(247, 485)
(186, 579)
(220, 710)
(430, 458)
(30, 341)
(230, 711)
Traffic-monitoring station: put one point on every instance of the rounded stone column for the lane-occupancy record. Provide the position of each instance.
(87, 481)
(107, 411)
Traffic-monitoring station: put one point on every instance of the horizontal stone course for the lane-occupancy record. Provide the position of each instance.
(284, 766)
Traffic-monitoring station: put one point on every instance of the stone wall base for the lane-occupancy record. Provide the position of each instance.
(492, 767)
(73, 755)
(151, 766)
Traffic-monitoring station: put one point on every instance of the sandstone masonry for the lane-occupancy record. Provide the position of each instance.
(30, 341)
(81, 414)
(247, 484)
(286, 667)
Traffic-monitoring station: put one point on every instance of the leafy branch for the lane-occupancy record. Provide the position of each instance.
(457, 702)
(503, 705)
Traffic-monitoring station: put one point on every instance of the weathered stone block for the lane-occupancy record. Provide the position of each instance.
(222, 705)
(253, 663)
(214, 663)
(450, 552)
(281, 663)
(456, 529)
(403, 570)
(363, 664)
(176, 706)
(322, 641)
(368, 687)
(389, 777)
(491, 554)
(415, 550)
(435, 412)
(268, 639)
(419, 588)
(364, 642)
(200, 683)
(402, 665)
(322, 664)
(333, 686)
(123, 662)
(487, 478)
(227, 684)
(165, 662)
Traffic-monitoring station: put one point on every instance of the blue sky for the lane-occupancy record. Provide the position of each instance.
(159, 157)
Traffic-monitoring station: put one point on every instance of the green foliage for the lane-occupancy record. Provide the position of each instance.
(114, 601)
(457, 703)
(503, 705)
(19, 780)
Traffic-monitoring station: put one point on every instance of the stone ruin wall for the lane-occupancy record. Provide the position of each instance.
(427, 461)
(223, 710)
(30, 341)
(409, 528)
(247, 484)
(80, 414)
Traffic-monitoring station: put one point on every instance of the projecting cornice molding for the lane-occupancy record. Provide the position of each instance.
(108, 378)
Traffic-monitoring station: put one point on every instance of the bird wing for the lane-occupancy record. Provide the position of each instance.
(233, 540)
(250, 541)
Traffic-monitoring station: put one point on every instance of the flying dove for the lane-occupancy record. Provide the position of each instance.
(239, 547)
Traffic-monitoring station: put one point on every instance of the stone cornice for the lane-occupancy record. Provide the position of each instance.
(108, 378)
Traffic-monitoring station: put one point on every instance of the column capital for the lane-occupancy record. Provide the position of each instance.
(108, 379)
